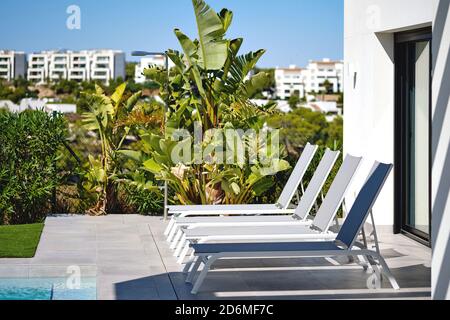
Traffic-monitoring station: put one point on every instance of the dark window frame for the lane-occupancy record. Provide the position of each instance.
(400, 129)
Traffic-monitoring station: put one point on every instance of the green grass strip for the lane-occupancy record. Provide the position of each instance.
(20, 241)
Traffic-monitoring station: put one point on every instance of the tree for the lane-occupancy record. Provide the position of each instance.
(109, 117)
(328, 86)
(294, 100)
(130, 70)
(304, 125)
(208, 85)
(64, 86)
(16, 91)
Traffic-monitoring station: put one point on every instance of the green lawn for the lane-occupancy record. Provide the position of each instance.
(19, 241)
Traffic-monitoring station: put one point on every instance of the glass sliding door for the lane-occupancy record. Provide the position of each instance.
(418, 215)
(413, 78)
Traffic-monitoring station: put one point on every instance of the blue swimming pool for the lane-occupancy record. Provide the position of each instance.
(47, 289)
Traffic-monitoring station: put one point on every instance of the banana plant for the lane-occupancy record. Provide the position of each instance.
(108, 117)
(209, 84)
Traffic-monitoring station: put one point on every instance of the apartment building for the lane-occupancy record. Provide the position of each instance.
(106, 65)
(397, 85)
(145, 62)
(12, 64)
(101, 65)
(300, 81)
(317, 72)
(38, 66)
(289, 81)
(59, 66)
(79, 66)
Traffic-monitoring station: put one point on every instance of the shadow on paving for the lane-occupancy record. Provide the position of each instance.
(338, 283)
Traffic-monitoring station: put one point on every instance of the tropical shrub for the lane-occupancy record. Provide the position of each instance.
(16, 91)
(144, 201)
(113, 118)
(30, 142)
(109, 119)
(208, 89)
(302, 126)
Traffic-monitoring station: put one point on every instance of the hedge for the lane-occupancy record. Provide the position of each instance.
(29, 144)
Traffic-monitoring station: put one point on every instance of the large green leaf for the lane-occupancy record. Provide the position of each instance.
(233, 50)
(118, 93)
(132, 154)
(188, 46)
(177, 59)
(190, 51)
(89, 121)
(227, 17)
(262, 186)
(152, 141)
(98, 89)
(131, 102)
(152, 166)
(277, 165)
(213, 49)
(256, 83)
(241, 67)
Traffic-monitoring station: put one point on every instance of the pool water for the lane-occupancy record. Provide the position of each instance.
(47, 289)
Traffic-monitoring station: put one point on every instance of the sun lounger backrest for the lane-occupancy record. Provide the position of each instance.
(296, 177)
(363, 204)
(316, 183)
(336, 193)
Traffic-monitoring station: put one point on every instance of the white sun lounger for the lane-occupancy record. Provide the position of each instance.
(317, 229)
(280, 207)
(301, 213)
(344, 245)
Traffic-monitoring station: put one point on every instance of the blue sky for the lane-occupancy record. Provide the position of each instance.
(292, 31)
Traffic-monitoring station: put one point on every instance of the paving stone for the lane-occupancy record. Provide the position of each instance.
(131, 259)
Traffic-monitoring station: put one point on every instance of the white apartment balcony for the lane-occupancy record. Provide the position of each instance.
(101, 74)
(58, 73)
(37, 64)
(6, 71)
(77, 58)
(78, 74)
(102, 59)
(36, 75)
(4, 74)
(101, 66)
(79, 65)
(79, 61)
(34, 58)
(60, 58)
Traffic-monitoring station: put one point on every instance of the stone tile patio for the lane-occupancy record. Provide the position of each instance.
(131, 260)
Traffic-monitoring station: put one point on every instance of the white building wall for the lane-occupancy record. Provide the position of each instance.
(288, 81)
(102, 65)
(315, 74)
(369, 105)
(440, 274)
(12, 65)
(38, 66)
